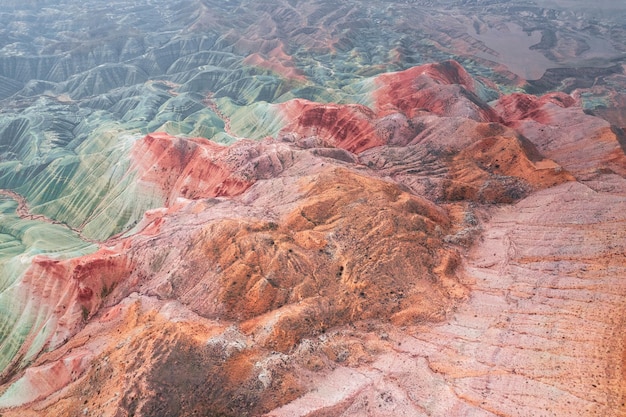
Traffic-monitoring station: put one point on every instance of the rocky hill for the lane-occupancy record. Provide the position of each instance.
(309, 209)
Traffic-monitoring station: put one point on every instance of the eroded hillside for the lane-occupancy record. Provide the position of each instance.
(303, 218)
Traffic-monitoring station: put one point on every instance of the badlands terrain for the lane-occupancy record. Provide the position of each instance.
(316, 209)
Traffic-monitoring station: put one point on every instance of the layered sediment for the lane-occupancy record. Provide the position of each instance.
(359, 248)
(304, 218)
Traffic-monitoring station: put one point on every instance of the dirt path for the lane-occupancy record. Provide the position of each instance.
(211, 104)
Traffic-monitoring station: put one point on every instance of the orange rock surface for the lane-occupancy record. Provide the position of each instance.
(562, 131)
(414, 260)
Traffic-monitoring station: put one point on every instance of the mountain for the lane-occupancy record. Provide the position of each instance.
(312, 209)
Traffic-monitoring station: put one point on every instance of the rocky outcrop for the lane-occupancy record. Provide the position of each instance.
(444, 89)
(579, 142)
(539, 309)
(349, 127)
(290, 267)
(301, 218)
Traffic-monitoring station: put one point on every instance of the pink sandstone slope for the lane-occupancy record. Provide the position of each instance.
(403, 260)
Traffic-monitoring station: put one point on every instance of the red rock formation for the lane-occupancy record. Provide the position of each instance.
(277, 61)
(189, 168)
(66, 293)
(563, 132)
(519, 106)
(462, 160)
(449, 268)
(348, 127)
(447, 73)
(444, 89)
(278, 282)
